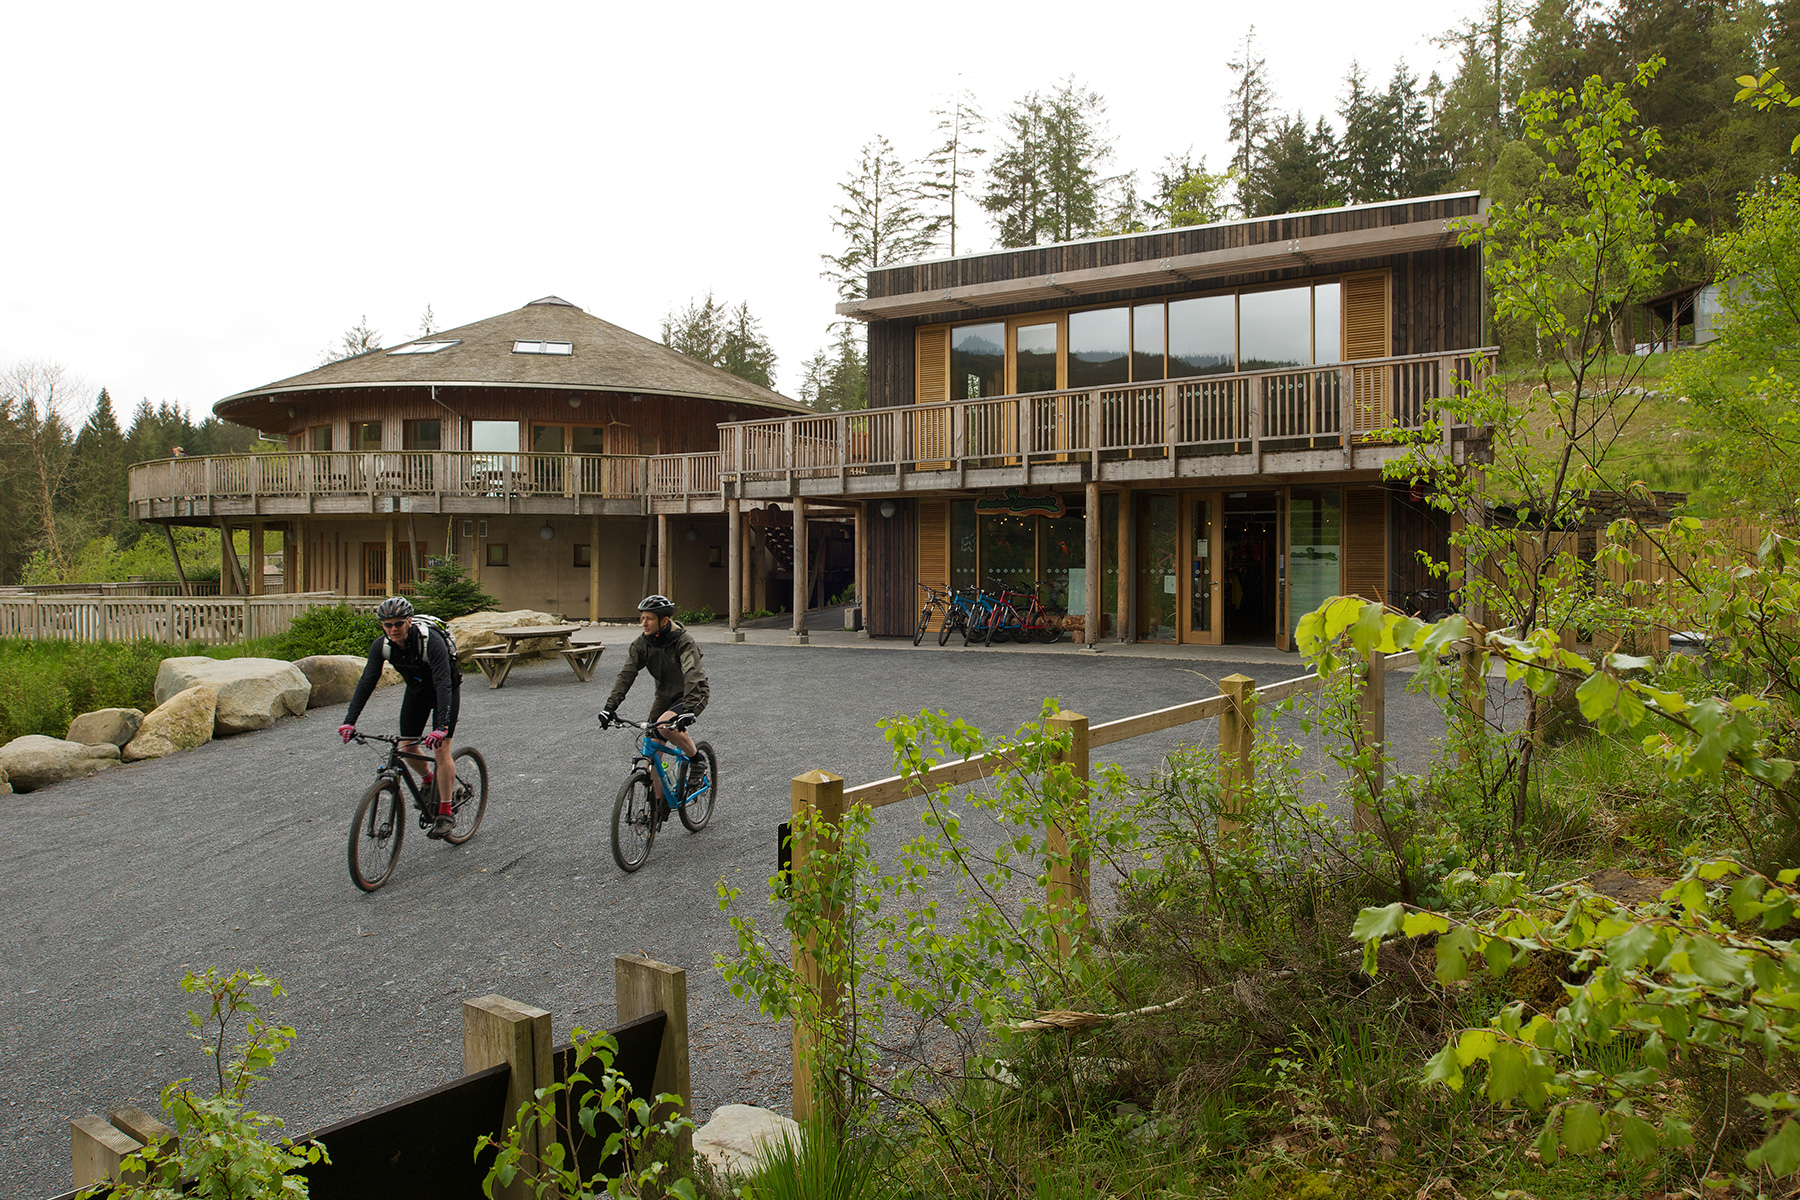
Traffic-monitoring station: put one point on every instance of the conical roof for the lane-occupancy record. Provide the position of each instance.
(602, 357)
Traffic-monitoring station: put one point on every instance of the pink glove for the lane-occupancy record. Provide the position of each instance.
(346, 732)
(435, 738)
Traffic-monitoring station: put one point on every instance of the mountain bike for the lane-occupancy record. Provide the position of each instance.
(1004, 623)
(957, 619)
(380, 824)
(1035, 620)
(937, 600)
(641, 808)
(980, 620)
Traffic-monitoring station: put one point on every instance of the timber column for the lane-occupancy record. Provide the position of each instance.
(665, 561)
(862, 569)
(1091, 638)
(734, 588)
(800, 572)
(256, 559)
(594, 567)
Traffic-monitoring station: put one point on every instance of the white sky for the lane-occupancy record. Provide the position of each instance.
(199, 199)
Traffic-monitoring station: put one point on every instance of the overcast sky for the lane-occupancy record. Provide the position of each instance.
(198, 199)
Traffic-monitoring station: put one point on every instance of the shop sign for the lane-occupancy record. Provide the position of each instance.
(1011, 504)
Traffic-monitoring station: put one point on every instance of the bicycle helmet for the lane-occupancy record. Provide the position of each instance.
(393, 608)
(662, 606)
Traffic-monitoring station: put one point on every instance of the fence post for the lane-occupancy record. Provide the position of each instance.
(1237, 739)
(1474, 702)
(642, 986)
(497, 1030)
(1373, 706)
(96, 1149)
(1067, 835)
(823, 793)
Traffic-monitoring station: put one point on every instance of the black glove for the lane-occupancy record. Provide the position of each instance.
(607, 718)
(685, 721)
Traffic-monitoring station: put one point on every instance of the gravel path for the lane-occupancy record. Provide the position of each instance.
(233, 855)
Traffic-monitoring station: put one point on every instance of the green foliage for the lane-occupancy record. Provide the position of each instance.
(339, 629)
(880, 217)
(820, 1164)
(629, 1126)
(45, 684)
(699, 616)
(836, 379)
(222, 1150)
(721, 336)
(1044, 181)
(447, 592)
(1766, 93)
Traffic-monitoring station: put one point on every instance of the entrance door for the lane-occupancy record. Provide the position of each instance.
(1158, 575)
(1202, 593)
(1248, 568)
(547, 449)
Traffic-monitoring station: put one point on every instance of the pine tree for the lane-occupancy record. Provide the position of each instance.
(1188, 194)
(100, 484)
(1250, 111)
(1370, 143)
(1044, 184)
(721, 336)
(880, 218)
(1016, 188)
(447, 591)
(950, 167)
(360, 338)
(746, 352)
(1299, 170)
(836, 379)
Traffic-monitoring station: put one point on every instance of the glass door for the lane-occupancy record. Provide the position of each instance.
(1202, 597)
(1315, 550)
(547, 443)
(1034, 361)
(1158, 576)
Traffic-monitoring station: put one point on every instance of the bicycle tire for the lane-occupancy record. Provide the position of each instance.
(924, 620)
(999, 632)
(1050, 632)
(696, 811)
(635, 809)
(469, 806)
(375, 835)
(949, 626)
(975, 632)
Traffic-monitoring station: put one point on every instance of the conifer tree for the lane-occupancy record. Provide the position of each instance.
(950, 167)
(881, 219)
(836, 379)
(1045, 183)
(1250, 112)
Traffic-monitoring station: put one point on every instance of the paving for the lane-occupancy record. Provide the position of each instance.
(234, 855)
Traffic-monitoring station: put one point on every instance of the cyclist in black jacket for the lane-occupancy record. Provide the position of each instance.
(433, 687)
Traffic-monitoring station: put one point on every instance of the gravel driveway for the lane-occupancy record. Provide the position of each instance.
(233, 855)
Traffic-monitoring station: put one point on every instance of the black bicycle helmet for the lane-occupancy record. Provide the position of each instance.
(662, 606)
(393, 608)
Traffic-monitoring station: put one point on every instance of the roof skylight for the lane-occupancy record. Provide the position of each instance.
(425, 347)
(543, 347)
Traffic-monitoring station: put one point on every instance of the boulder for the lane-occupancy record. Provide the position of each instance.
(35, 761)
(5, 785)
(181, 722)
(334, 676)
(114, 726)
(739, 1135)
(476, 631)
(253, 692)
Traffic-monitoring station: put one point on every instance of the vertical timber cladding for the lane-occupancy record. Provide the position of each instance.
(1368, 333)
(1365, 542)
(893, 565)
(934, 548)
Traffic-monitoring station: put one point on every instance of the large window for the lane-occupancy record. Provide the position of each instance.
(1202, 336)
(367, 435)
(423, 435)
(1275, 329)
(494, 437)
(978, 361)
(1099, 347)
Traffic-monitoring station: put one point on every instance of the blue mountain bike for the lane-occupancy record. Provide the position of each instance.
(642, 806)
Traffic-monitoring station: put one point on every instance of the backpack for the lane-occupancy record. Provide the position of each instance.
(429, 624)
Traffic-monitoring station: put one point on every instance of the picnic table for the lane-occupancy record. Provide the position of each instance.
(582, 657)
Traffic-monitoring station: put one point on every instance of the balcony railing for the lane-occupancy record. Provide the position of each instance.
(427, 473)
(1247, 412)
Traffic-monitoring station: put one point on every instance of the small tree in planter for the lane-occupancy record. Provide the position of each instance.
(448, 592)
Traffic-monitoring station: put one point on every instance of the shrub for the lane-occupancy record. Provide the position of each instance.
(337, 630)
(699, 616)
(448, 592)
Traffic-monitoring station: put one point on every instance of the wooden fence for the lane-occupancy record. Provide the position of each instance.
(825, 795)
(210, 620)
(423, 1146)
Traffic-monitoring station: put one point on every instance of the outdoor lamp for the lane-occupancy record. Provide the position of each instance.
(546, 532)
(889, 508)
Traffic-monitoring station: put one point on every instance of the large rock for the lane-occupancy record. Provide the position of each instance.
(182, 722)
(35, 761)
(5, 784)
(253, 692)
(114, 726)
(476, 631)
(738, 1136)
(334, 676)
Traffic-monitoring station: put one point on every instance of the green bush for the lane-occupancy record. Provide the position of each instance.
(447, 591)
(337, 630)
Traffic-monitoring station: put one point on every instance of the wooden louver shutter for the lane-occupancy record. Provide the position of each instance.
(934, 544)
(931, 364)
(1368, 334)
(1365, 543)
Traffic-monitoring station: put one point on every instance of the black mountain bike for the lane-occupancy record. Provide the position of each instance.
(380, 824)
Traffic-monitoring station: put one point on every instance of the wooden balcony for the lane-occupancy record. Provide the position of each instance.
(446, 482)
(1310, 420)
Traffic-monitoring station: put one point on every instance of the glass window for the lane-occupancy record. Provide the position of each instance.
(1147, 342)
(424, 347)
(977, 361)
(424, 435)
(1328, 323)
(1065, 561)
(1202, 334)
(1008, 550)
(588, 439)
(543, 348)
(547, 439)
(367, 435)
(1034, 354)
(1314, 536)
(963, 534)
(1156, 566)
(321, 437)
(494, 437)
(1274, 328)
(1099, 347)
(496, 554)
(584, 556)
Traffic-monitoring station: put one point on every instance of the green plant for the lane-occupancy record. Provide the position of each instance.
(634, 1131)
(221, 1149)
(339, 629)
(847, 596)
(448, 592)
(698, 616)
(819, 1164)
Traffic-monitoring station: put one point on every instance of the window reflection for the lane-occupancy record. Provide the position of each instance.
(1201, 336)
(1275, 328)
(1147, 342)
(1328, 323)
(1098, 347)
(1035, 358)
(977, 361)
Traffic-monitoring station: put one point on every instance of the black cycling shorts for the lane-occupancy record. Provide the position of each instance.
(676, 706)
(419, 703)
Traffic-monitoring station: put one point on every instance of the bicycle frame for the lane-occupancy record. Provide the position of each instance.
(651, 750)
(395, 768)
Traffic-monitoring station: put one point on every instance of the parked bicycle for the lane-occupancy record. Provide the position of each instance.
(956, 617)
(1427, 604)
(937, 601)
(1035, 620)
(642, 805)
(380, 824)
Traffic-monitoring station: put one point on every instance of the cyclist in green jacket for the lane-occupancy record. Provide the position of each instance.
(672, 657)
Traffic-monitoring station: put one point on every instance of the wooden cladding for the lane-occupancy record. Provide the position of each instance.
(931, 367)
(893, 564)
(1365, 542)
(1368, 333)
(934, 543)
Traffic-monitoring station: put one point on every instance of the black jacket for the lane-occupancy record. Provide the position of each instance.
(423, 660)
(673, 659)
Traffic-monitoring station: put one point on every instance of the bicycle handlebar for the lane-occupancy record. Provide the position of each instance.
(682, 721)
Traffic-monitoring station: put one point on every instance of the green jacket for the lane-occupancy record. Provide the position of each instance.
(673, 659)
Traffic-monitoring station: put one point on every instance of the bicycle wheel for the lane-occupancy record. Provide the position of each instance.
(376, 834)
(696, 811)
(953, 621)
(1050, 631)
(975, 631)
(469, 802)
(998, 628)
(924, 620)
(634, 822)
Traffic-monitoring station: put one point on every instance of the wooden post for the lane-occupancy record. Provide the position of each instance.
(823, 793)
(497, 1030)
(642, 986)
(802, 584)
(134, 1122)
(96, 1149)
(1091, 560)
(594, 567)
(1373, 704)
(1121, 617)
(734, 566)
(1066, 838)
(256, 559)
(1474, 702)
(1237, 738)
(862, 567)
(390, 572)
(665, 557)
(294, 550)
(169, 535)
